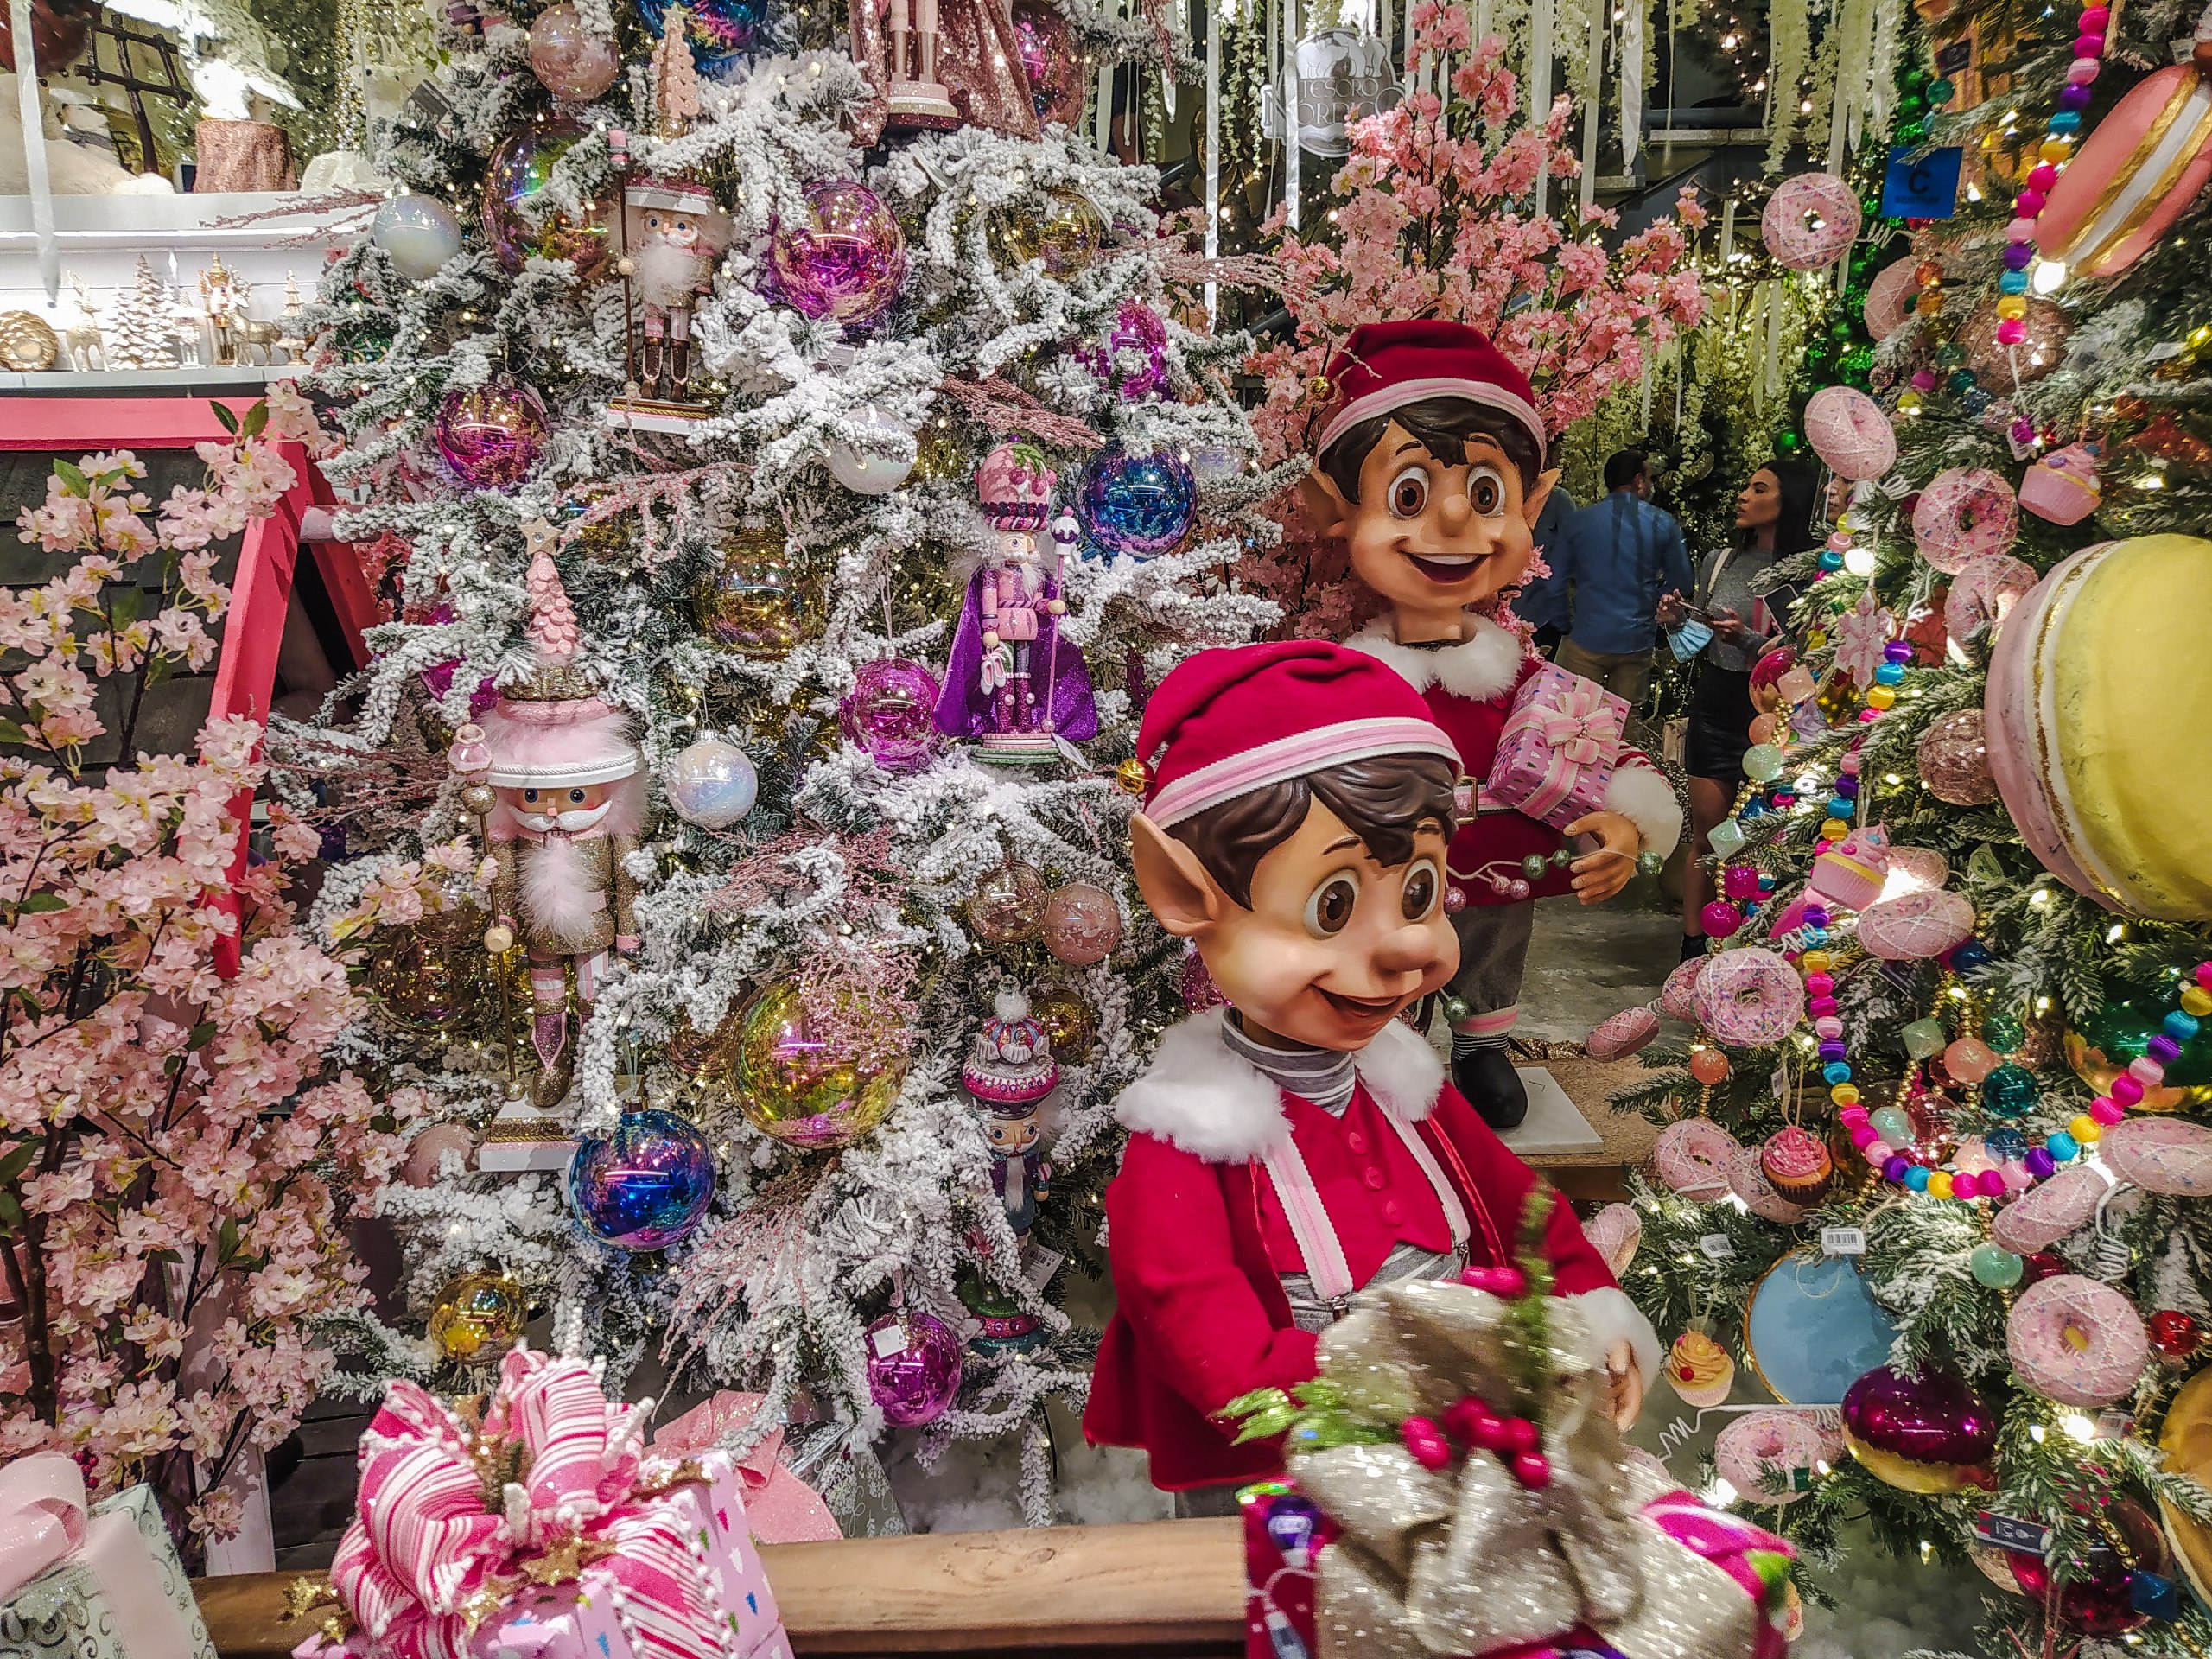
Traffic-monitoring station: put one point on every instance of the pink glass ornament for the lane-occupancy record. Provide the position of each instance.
(1052, 60)
(1720, 919)
(1969, 1059)
(492, 434)
(574, 63)
(914, 1367)
(1741, 881)
(428, 1149)
(1953, 759)
(1082, 924)
(846, 264)
(518, 169)
(888, 713)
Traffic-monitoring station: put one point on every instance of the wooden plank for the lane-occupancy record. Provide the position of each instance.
(1166, 1589)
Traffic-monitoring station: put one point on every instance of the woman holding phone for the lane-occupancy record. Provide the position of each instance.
(1739, 598)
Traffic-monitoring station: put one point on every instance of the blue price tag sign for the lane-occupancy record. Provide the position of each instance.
(2023, 1537)
(1922, 185)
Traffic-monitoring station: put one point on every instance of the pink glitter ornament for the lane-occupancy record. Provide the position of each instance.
(1953, 759)
(1848, 430)
(914, 1367)
(888, 713)
(1052, 60)
(1199, 992)
(492, 434)
(848, 262)
(574, 64)
(1810, 221)
(2075, 1341)
(1622, 1035)
(1965, 513)
(1082, 924)
(1694, 1157)
(2170, 1155)
(1982, 592)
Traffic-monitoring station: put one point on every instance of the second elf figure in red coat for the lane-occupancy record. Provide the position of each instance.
(1302, 1144)
(1430, 468)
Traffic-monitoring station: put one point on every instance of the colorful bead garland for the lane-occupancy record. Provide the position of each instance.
(2060, 134)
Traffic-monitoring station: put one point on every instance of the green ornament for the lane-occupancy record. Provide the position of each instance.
(1893, 1125)
(2100, 1042)
(1562, 857)
(1761, 762)
(1994, 1266)
(1941, 93)
(1913, 79)
(1911, 105)
(1533, 866)
(2009, 1091)
(1924, 1038)
(1650, 863)
(1454, 1009)
(1911, 132)
(2003, 1031)
(1788, 442)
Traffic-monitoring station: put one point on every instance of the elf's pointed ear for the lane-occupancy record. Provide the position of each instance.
(1532, 503)
(1176, 886)
(1328, 512)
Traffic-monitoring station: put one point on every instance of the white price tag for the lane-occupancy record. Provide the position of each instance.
(1843, 1241)
(1778, 1084)
(891, 1339)
(1716, 1247)
(1042, 1266)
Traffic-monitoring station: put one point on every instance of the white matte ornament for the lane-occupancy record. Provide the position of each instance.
(867, 472)
(420, 233)
(712, 784)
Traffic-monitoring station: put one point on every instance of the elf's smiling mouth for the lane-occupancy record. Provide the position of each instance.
(1447, 569)
(1361, 1008)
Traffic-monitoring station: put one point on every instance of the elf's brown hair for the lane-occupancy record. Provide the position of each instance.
(1385, 801)
(1442, 425)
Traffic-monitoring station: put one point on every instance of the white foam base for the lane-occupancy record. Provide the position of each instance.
(1554, 1125)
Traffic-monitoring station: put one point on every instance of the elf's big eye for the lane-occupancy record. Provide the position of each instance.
(1329, 910)
(1418, 896)
(1408, 494)
(1486, 490)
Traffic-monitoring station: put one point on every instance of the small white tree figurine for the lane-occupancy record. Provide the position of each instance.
(138, 323)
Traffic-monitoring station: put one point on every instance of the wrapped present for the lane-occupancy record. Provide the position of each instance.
(537, 1526)
(1852, 871)
(1558, 748)
(1421, 1519)
(98, 1584)
(780, 1507)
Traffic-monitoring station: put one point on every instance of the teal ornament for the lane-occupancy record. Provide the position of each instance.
(2002, 1032)
(2008, 1091)
(1995, 1267)
(1893, 1126)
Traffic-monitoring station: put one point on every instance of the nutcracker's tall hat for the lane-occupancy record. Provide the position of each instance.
(1227, 722)
(548, 730)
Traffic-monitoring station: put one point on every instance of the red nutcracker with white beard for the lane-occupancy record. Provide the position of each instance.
(673, 232)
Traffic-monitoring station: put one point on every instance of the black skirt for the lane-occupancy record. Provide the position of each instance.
(1720, 718)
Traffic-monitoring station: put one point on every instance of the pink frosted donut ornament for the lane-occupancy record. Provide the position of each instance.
(1916, 926)
(1622, 1034)
(1966, 512)
(1749, 998)
(2170, 1155)
(2062, 487)
(1748, 1180)
(1614, 1232)
(1693, 1157)
(1810, 221)
(2075, 1341)
(1848, 430)
(2056, 1210)
(1763, 1453)
(2141, 167)
(1912, 868)
(1890, 296)
(1983, 593)
(1678, 996)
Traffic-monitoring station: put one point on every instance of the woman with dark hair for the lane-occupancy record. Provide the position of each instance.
(1739, 597)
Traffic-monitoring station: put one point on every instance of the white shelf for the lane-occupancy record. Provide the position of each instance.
(139, 383)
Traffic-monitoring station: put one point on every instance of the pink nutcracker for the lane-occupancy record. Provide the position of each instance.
(566, 804)
(673, 231)
(1009, 1070)
(1008, 637)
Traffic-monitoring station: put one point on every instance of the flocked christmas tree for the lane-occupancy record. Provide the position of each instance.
(734, 789)
(138, 328)
(1933, 1152)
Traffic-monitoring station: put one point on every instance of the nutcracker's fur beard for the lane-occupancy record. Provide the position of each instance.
(558, 896)
(669, 273)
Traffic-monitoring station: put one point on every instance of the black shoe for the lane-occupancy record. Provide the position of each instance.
(1485, 1076)
(1693, 946)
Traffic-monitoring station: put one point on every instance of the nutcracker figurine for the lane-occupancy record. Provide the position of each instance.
(1009, 627)
(1009, 1071)
(567, 802)
(672, 233)
(964, 66)
(226, 302)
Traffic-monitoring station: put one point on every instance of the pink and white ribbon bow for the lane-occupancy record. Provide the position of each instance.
(452, 1522)
(1582, 729)
(779, 1507)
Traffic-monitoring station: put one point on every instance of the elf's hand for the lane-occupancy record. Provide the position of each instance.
(1599, 876)
(1627, 1383)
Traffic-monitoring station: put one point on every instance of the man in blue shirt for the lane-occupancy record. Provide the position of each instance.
(1541, 603)
(1613, 561)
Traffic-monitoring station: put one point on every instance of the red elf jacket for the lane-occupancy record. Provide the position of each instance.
(1198, 1233)
(1469, 688)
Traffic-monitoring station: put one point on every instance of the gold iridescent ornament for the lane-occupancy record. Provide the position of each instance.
(416, 974)
(1066, 236)
(753, 604)
(477, 1318)
(1068, 1020)
(1008, 906)
(812, 1082)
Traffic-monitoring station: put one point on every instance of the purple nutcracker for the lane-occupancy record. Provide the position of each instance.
(1008, 639)
(1009, 1070)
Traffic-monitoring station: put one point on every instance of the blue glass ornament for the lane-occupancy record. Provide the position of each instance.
(720, 32)
(2006, 1145)
(1140, 506)
(1966, 957)
(2009, 1091)
(644, 1186)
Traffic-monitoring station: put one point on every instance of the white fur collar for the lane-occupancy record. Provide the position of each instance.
(1486, 664)
(1216, 1106)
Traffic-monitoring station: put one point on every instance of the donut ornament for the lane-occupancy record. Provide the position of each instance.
(1965, 513)
(1749, 998)
(1770, 1456)
(1693, 1158)
(2077, 1341)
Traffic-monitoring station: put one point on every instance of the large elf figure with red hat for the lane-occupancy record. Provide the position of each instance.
(1430, 468)
(1302, 1143)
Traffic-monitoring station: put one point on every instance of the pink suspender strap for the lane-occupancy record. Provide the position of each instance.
(1455, 1213)
(1309, 1223)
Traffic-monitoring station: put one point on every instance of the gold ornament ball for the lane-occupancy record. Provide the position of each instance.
(1009, 907)
(1068, 1022)
(815, 1083)
(700, 1055)
(1066, 236)
(752, 604)
(1133, 777)
(477, 1318)
(415, 974)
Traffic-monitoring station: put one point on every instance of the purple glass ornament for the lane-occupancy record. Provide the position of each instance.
(848, 262)
(647, 1185)
(1136, 505)
(914, 1367)
(1293, 1518)
(1929, 1428)
(1199, 992)
(888, 713)
(521, 167)
(1137, 328)
(492, 434)
(1052, 61)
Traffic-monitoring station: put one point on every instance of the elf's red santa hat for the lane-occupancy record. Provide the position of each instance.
(1227, 722)
(1386, 365)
